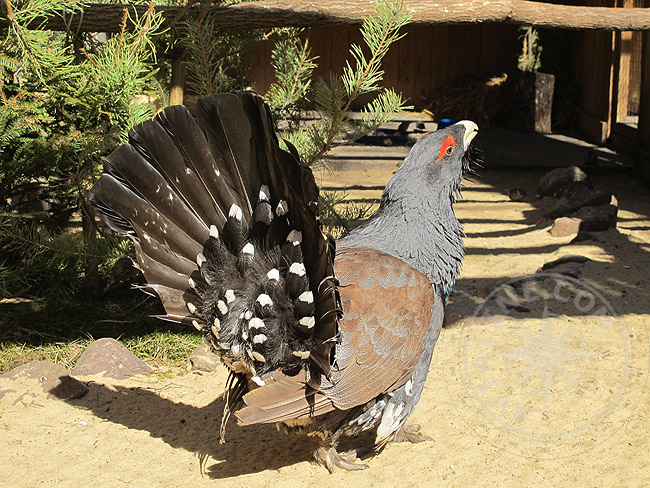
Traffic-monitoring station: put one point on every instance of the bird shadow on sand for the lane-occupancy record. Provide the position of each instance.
(248, 449)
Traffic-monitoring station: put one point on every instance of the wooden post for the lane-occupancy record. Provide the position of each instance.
(622, 59)
(178, 82)
(622, 75)
(643, 159)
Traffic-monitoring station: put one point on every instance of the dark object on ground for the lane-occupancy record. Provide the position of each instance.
(582, 198)
(584, 236)
(564, 260)
(600, 217)
(110, 359)
(561, 178)
(226, 231)
(52, 378)
(586, 219)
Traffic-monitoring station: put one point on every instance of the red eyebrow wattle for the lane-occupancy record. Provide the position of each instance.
(447, 142)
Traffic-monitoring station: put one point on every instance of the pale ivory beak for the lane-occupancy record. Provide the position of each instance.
(471, 129)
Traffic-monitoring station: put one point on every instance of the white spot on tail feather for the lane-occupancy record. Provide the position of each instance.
(265, 193)
(235, 212)
(216, 323)
(258, 381)
(214, 232)
(248, 249)
(248, 314)
(256, 323)
(274, 274)
(301, 354)
(215, 331)
(264, 300)
(308, 322)
(295, 236)
(282, 208)
(297, 268)
(196, 325)
(258, 357)
(192, 283)
(235, 350)
(307, 297)
(259, 339)
(230, 296)
(200, 259)
(191, 307)
(223, 308)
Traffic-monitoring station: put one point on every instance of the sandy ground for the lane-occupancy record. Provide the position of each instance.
(546, 384)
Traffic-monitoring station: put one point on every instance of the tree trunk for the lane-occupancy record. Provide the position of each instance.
(297, 13)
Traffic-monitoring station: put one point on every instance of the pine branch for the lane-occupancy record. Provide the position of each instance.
(379, 34)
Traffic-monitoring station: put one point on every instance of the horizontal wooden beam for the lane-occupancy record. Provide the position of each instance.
(301, 13)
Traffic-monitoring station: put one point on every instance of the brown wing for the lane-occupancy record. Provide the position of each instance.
(387, 310)
(386, 313)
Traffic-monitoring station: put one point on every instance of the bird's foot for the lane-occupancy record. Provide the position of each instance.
(410, 433)
(330, 458)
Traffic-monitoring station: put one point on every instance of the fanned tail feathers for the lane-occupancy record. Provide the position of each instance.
(226, 232)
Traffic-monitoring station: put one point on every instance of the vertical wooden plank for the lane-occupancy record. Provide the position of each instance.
(439, 56)
(622, 75)
(635, 73)
(407, 62)
(422, 76)
(622, 58)
(390, 65)
(472, 55)
(456, 48)
(177, 88)
(340, 47)
(643, 162)
(320, 39)
(258, 62)
(267, 65)
(487, 47)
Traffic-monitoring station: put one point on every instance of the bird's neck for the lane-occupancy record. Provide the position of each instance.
(424, 234)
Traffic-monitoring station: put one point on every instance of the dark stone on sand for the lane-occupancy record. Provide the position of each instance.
(560, 178)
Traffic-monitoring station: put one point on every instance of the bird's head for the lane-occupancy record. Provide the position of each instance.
(439, 159)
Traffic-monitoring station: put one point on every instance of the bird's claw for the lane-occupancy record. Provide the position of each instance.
(410, 433)
(330, 458)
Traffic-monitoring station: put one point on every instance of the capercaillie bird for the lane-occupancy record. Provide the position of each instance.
(329, 338)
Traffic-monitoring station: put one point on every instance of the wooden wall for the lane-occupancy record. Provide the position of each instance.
(423, 61)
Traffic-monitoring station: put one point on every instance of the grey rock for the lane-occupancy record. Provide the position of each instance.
(204, 359)
(111, 359)
(52, 378)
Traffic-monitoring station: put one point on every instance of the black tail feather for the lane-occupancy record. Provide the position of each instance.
(226, 233)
